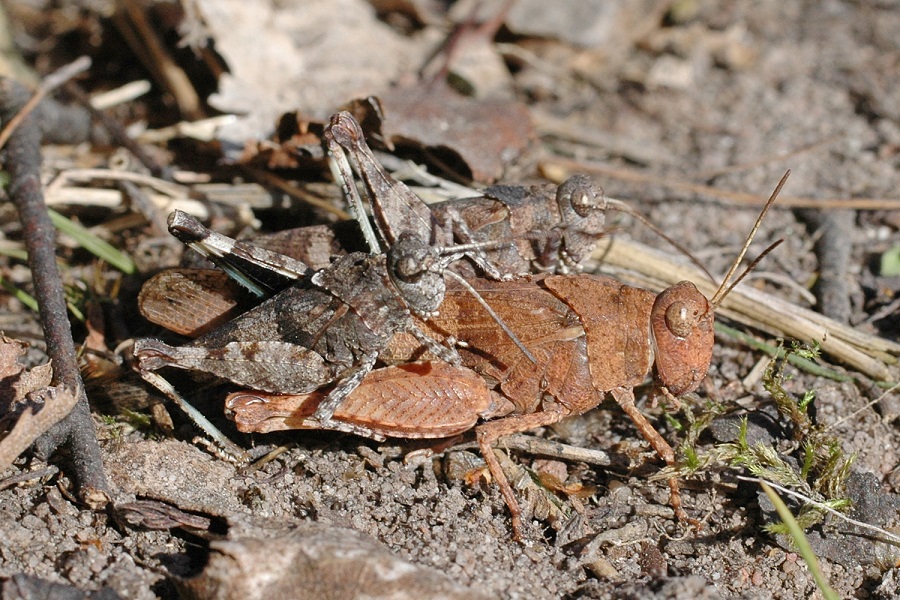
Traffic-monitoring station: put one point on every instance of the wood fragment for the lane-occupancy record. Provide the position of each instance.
(58, 403)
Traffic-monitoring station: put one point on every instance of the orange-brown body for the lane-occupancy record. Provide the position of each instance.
(414, 400)
(589, 335)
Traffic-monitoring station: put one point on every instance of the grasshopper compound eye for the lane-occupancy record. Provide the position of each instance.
(682, 316)
(409, 269)
(583, 203)
(410, 258)
(579, 193)
(345, 129)
(681, 323)
(413, 266)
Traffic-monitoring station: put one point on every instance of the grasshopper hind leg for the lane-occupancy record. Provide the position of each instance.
(488, 433)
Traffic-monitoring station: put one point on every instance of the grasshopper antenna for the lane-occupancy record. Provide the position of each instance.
(726, 286)
(746, 272)
(259, 270)
(509, 332)
(618, 205)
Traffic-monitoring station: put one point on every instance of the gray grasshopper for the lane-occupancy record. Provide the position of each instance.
(550, 229)
(554, 228)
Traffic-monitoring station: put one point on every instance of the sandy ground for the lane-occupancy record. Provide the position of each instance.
(808, 86)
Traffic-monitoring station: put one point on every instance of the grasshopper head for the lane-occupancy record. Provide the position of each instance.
(345, 129)
(417, 270)
(582, 208)
(681, 323)
(681, 320)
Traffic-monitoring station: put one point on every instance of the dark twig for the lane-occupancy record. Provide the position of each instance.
(75, 432)
(117, 133)
(58, 123)
(833, 246)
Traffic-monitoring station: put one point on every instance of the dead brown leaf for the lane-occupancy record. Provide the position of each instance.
(57, 403)
(17, 383)
(313, 560)
(10, 351)
(15, 380)
(485, 135)
(306, 55)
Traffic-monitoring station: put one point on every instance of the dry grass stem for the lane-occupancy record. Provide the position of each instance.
(539, 446)
(165, 195)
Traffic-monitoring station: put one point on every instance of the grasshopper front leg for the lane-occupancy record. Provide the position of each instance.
(463, 233)
(624, 397)
(344, 387)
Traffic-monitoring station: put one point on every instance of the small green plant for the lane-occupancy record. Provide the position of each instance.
(824, 467)
(812, 462)
(92, 243)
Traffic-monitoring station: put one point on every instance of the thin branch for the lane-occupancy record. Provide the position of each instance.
(50, 83)
(76, 431)
(28, 476)
(117, 133)
(636, 264)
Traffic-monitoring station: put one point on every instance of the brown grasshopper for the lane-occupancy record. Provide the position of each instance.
(551, 230)
(583, 342)
(344, 317)
(590, 335)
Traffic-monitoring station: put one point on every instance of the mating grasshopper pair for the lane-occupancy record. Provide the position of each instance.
(546, 348)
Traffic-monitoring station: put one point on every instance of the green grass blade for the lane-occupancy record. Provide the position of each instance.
(12, 250)
(92, 243)
(19, 295)
(31, 302)
(798, 361)
(801, 542)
